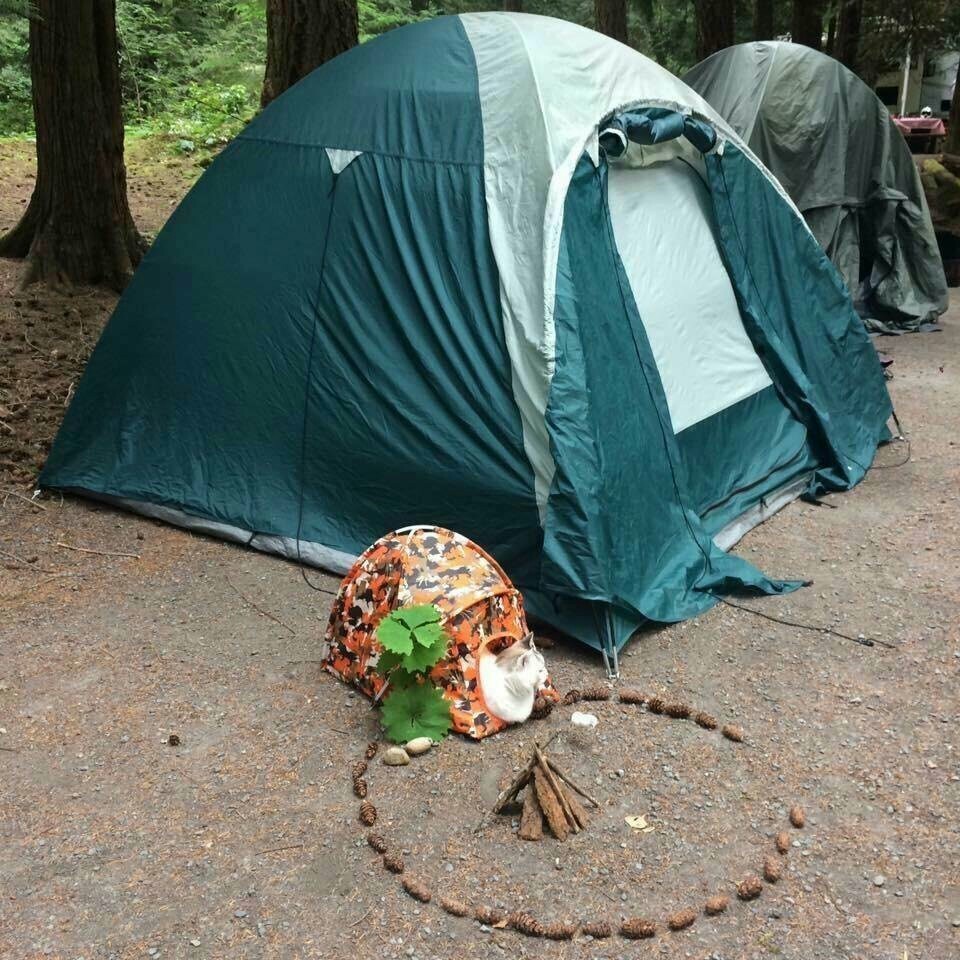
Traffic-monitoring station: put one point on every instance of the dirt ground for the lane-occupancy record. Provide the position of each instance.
(243, 840)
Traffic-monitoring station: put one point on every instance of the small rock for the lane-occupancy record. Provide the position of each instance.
(583, 719)
(879, 880)
(173, 740)
(396, 757)
(419, 745)
(239, 914)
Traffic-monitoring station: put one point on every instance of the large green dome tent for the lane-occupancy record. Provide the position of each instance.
(496, 273)
(831, 143)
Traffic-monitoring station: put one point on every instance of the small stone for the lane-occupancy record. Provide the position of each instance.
(239, 914)
(173, 740)
(194, 943)
(418, 745)
(879, 880)
(396, 757)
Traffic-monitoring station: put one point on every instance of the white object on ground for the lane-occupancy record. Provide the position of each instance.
(396, 757)
(419, 745)
(583, 719)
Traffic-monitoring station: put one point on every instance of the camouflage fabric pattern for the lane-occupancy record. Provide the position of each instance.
(479, 604)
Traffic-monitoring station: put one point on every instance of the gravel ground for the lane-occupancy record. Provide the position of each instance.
(243, 840)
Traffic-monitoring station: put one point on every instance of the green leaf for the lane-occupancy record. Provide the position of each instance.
(416, 711)
(394, 635)
(418, 616)
(423, 658)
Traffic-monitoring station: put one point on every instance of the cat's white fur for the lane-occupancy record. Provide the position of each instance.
(510, 679)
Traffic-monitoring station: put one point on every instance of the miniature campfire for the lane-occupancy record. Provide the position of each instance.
(550, 800)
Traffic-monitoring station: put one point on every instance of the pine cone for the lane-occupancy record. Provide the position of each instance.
(571, 696)
(679, 711)
(797, 817)
(368, 813)
(715, 905)
(560, 931)
(706, 721)
(456, 908)
(749, 889)
(371, 750)
(377, 842)
(733, 733)
(418, 890)
(598, 929)
(595, 693)
(632, 696)
(393, 862)
(782, 842)
(359, 769)
(656, 705)
(527, 925)
(681, 919)
(772, 871)
(637, 929)
(360, 787)
(490, 916)
(542, 707)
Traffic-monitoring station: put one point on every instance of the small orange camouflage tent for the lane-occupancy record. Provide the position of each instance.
(416, 565)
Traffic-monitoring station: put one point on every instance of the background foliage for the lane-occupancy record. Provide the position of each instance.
(192, 69)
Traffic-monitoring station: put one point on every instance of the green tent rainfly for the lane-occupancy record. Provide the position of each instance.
(501, 274)
(828, 139)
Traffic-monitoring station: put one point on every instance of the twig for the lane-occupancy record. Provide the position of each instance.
(20, 496)
(566, 779)
(292, 846)
(575, 824)
(260, 610)
(30, 566)
(99, 553)
(356, 923)
(9, 750)
(518, 784)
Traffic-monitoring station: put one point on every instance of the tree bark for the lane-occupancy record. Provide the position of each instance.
(763, 20)
(514, 6)
(715, 20)
(77, 227)
(807, 25)
(301, 35)
(848, 33)
(611, 17)
(953, 134)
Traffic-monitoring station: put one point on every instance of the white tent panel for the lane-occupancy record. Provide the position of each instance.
(664, 230)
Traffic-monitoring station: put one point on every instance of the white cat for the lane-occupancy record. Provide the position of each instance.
(510, 679)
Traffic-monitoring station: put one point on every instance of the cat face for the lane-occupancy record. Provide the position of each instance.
(525, 662)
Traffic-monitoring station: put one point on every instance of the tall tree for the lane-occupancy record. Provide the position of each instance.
(715, 22)
(763, 20)
(301, 35)
(611, 17)
(807, 24)
(77, 227)
(848, 33)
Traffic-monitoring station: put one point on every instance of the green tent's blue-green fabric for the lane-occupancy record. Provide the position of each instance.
(321, 345)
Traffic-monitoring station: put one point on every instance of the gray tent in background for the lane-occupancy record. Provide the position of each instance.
(832, 145)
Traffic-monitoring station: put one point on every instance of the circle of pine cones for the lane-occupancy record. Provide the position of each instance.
(638, 929)
(715, 905)
(417, 889)
(595, 693)
(368, 813)
(782, 842)
(455, 907)
(371, 750)
(560, 931)
(393, 862)
(705, 720)
(377, 842)
(598, 929)
(750, 889)
(542, 708)
(527, 925)
(490, 916)
(772, 871)
(571, 696)
(797, 817)
(632, 696)
(681, 919)
(732, 733)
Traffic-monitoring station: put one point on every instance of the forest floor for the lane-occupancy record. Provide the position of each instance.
(243, 840)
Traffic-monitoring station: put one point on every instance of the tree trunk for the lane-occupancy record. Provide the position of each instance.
(714, 26)
(77, 227)
(513, 6)
(848, 33)
(953, 133)
(808, 23)
(763, 20)
(611, 16)
(301, 35)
